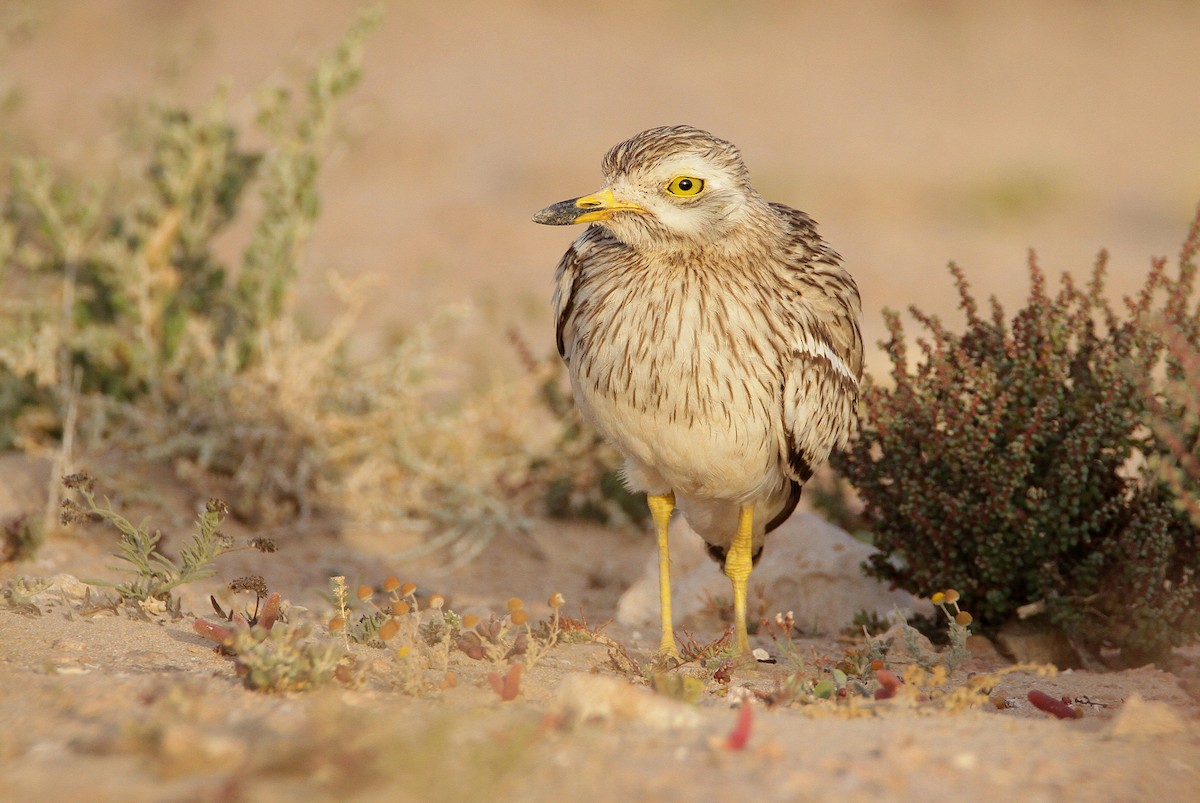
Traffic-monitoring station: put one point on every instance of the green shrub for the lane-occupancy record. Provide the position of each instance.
(1008, 463)
(125, 328)
(116, 297)
(1176, 419)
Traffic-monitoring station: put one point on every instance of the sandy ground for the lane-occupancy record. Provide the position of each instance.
(104, 705)
(916, 132)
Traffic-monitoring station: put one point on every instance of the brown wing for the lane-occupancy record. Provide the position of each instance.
(822, 372)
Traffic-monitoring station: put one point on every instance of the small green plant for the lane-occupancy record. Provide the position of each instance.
(394, 623)
(270, 658)
(959, 623)
(1005, 462)
(154, 575)
(504, 639)
(283, 659)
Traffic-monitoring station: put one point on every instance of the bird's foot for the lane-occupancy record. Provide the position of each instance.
(664, 659)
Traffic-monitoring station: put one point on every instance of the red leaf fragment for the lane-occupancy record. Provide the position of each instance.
(218, 633)
(1059, 708)
(741, 729)
(508, 686)
(270, 610)
(889, 684)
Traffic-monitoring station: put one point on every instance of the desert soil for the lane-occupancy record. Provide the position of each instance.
(915, 133)
(104, 704)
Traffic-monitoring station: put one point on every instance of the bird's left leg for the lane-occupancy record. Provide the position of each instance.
(739, 562)
(660, 509)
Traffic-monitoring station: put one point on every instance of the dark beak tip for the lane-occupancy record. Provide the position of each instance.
(559, 214)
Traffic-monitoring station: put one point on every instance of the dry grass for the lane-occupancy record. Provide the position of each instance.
(122, 329)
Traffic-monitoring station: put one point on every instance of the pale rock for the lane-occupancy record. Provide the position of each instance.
(809, 566)
(1146, 719)
(603, 699)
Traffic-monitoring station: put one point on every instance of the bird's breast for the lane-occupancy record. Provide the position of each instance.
(680, 369)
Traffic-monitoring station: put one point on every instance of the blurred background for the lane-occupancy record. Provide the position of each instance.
(914, 132)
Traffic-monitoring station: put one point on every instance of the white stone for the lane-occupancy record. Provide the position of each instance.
(584, 698)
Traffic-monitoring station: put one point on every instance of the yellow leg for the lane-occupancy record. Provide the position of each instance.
(738, 564)
(660, 511)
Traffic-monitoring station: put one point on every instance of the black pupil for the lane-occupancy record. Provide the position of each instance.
(685, 184)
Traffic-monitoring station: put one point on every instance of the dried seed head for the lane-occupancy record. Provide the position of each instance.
(400, 607)
(556, 600)
(519, 617)
(80, 480)
(336, 624)
(264, 544)
(253, 583)
(391, 584)
(365, 592)
(437, 601)
(963, 618)
(515, 604)
(71, 513)
(951, 595)
(389, 630)
(217, 506)
(408, 589)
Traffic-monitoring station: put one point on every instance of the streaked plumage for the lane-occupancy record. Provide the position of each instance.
(711, 336)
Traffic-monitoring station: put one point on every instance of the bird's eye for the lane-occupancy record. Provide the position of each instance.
(685, 186)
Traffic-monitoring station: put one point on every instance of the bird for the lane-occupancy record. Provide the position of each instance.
(712, 337)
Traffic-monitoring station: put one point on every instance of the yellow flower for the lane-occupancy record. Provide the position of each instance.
(938, 598)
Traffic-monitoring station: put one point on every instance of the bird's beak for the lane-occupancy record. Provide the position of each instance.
(597, 206)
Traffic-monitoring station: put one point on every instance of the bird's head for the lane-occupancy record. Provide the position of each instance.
(665, 188)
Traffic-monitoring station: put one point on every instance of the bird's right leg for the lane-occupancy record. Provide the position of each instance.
(660, 511)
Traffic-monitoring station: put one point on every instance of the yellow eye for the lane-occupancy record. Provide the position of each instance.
(686, 186)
